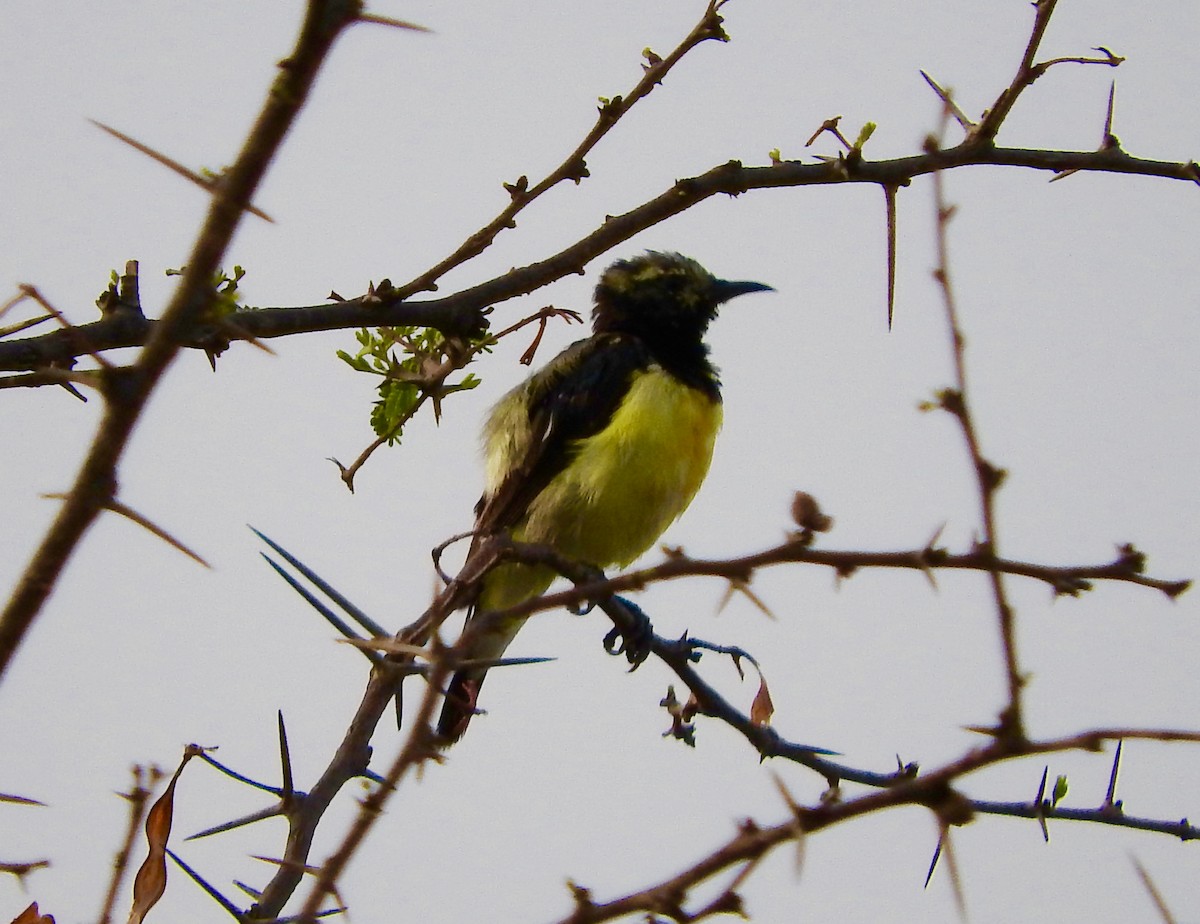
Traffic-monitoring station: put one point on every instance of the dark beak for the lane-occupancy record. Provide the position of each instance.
(725, 289)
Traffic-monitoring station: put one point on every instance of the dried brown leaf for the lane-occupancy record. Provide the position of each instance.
(151, 880)
(762, 708)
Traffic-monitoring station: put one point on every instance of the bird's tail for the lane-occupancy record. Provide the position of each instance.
(504, 587)
(462, 693)
(459, 706)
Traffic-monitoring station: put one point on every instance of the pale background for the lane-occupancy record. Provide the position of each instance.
(1080, 304)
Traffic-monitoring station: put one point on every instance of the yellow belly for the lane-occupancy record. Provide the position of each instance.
(624, 486)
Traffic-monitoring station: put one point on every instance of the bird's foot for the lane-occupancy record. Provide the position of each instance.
(593, 575)
(635, 638)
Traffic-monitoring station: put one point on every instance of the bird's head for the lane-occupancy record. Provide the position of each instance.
(662, 296)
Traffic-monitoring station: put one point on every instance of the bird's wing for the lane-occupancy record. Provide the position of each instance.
(572, 398)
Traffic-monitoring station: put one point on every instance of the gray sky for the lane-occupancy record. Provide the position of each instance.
(1079, 301)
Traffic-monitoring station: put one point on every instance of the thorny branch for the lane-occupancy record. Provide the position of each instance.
(988, 477)
(574, 166)
(461, 312)
(184, 325)
(126, 393)
(681, 655)
(1069, 580)
(934, 790)
(433, 380)
(352, 755)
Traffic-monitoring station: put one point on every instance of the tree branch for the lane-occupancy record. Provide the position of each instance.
(461, 313)
(126, 392)
(933, 790)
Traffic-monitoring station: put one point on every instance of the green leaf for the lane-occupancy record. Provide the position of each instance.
(405, 360)
(864, 134)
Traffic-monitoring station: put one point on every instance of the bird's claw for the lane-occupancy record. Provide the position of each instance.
(583, 607)
(635, 641)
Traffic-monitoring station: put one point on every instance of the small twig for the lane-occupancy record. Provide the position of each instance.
(1160, 905)
(1026, 74)
(434, 378)
(1109, 60)
(1028, 71)
(830, 126)
(573, 167)
(12, 303)
(987, 476)
(144, 781)
(348, 472)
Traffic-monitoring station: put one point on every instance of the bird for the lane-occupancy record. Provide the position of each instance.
(598, 452)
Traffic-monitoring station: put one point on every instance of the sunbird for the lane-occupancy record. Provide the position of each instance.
(597, 453)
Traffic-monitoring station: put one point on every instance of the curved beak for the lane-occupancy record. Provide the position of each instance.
(725, 289)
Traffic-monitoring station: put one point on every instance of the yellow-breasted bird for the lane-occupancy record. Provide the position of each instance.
(596, 454)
